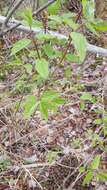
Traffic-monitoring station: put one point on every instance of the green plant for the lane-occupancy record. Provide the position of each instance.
(48, 52)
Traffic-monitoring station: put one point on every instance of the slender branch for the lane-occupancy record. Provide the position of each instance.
(9, 7)
(11, 12)
(43, 7)
(13, 23)
(66, 50)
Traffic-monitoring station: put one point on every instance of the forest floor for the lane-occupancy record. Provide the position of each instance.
(38, 154)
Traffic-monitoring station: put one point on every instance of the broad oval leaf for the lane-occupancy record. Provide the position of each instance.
(27, 15)
(80, 44)
(102, 176)
(95, 163)
(87, 96)
(88, 178)
(72, 58)
(51, 156)
(100, 25)
(54, 8)
(42, 68)
(50, 100)
(44, 109)
(29, 106)
(19, 45)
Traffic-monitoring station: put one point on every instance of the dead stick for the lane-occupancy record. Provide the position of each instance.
(11, 12)
(90, 48)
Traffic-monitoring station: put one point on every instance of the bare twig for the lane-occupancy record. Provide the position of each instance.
(32, 177)
(43, 7)
(29, 166)
(11, 13)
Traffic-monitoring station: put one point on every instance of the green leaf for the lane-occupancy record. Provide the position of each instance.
(82, 105)
(27, 15)
(82, 169)
(54, 8)
(88, 178)
(44, 109)
(30, 104)
(100, 25)
(49, 51)
(102, 176)
(16, 62)
(50, 100)
(95, 163)
(68, 15)
(98, 121)
(50, 96)
(28, 68)
(90, 26)
(68, 72)
(88, 9)
(80, 44)
(72, 57)
(71, 23)
(56, 18)
(42, 68)
(87, 96)
(105, 119)
(105, 130)
(51, 156)
(47, 37)
(19, 45)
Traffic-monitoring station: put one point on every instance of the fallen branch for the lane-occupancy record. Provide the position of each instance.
(12, 24)
(11, 12)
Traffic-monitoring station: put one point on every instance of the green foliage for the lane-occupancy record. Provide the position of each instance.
(102, 176)
(90, 171)
(4, 163)
(95, 163)
(50, 100)
(80, 44)
(54, 8)
(87, 97)
(35, 70)
(51, 156)
(20, 45)
(49, 51)
(88, 9)
(68, 72)
(72, 57)
(27, 16)
(100, 25)
(88, 177)
(28, 68)
(42, 68)
(29, 106)
(46, 37)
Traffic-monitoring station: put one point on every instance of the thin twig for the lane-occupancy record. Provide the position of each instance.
(32, 177)
(43, 7)
(11, 13)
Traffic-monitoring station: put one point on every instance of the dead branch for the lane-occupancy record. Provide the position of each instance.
(43, 7)
(11, 13)
(13, 23)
